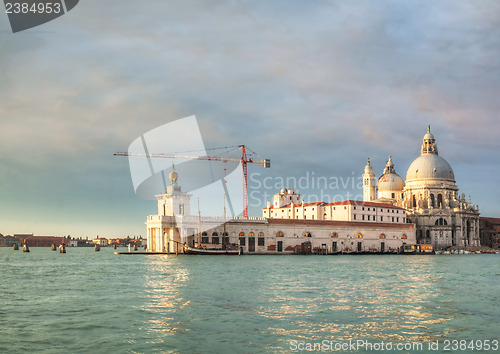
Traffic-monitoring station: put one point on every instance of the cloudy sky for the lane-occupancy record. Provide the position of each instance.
(316, 86)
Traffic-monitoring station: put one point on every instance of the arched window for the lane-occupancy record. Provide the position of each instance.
(403, 236)
(242, 234)
(279, 234)
(381, 236)
(441, 221)
(334, 234)
(428, 234)
(414, 201)
(215, 234)
(440, 200)
(307, 234)
(251, 234)
(203, 234)
(432, 200)
(359, 236)
(261, 239)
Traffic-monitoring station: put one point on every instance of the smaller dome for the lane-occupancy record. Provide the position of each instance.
(428, 136)
(368, 167)
(283, 191)
(390, 182)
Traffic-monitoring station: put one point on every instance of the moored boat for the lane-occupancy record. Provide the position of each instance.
(213, 251)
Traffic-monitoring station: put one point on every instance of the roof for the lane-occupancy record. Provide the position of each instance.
(345, 202)
(494, 221)
(338, 223)
(298, 205)
(362, 203)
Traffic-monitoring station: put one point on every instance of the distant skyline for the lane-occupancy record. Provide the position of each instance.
(317, 87)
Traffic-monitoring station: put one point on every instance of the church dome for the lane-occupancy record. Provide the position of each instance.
(390, 180)
(429, 165)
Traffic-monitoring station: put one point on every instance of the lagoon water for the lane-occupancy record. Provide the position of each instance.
(97, 302)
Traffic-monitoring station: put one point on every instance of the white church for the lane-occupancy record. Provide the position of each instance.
(430, 197)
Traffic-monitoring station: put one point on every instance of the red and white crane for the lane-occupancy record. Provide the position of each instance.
(266, 163)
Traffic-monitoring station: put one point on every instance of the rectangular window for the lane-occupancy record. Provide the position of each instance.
(204, 239)
(260, 241)
(215, 240)
(381, 218)
(363, 217)
(242, 241)
(354, 216)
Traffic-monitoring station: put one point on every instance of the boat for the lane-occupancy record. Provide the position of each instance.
(212, 251)
(418, 249)
(226, 249)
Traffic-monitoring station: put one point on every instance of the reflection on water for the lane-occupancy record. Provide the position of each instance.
(267, 301)
(164, 279)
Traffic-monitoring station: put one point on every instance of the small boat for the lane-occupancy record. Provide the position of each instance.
(213, 251)
(62, 248)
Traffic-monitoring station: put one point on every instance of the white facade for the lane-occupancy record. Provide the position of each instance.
(322, 228)
(349, 210)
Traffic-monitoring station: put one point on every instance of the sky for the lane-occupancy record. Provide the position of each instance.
(316, 86)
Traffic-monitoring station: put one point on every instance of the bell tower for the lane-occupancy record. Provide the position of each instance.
(368, 183)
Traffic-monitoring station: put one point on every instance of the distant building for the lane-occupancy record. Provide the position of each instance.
(490, 232)
(100, 241)
(45, 241)
(9, 241)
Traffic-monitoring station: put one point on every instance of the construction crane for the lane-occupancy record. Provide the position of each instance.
(266, 163)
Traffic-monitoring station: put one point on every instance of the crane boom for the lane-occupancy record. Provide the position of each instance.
(266, 163)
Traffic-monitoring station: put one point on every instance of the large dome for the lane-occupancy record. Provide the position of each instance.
(430, 167)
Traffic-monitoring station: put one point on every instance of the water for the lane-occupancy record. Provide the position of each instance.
(97, 302)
